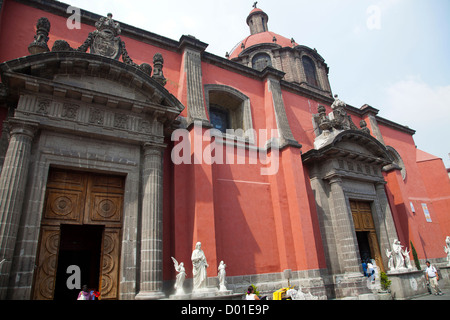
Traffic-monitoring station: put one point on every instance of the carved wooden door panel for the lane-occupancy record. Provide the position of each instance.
(375, 249)
(109, 280)
(65, 197)
(80, 198)
(47, 263)
(104, 200)
(363, 221)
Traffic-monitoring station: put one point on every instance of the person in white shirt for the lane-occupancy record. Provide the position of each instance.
(433, 277)
(250, 295)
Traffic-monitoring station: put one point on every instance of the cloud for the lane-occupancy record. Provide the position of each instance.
(424, 108)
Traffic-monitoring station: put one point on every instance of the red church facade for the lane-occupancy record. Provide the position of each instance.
(300, 187)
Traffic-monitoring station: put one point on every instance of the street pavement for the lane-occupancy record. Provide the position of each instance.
(445, 296)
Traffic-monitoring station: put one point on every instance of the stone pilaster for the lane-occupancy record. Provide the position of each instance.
(345, 239)
(284, 130)
(192, 61)
(388, 219)
(151, 267)
(371, 116)
(12, 188)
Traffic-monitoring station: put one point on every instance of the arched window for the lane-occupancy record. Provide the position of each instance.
(260, 61)
(219, 118)
(229, 109)
(310, 71)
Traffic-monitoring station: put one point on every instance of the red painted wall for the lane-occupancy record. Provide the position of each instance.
(418, 188)
(434, 171)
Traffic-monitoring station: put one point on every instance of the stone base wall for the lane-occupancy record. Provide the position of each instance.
(310, 281)
(444, 271)
(318, 283)
(407, 285)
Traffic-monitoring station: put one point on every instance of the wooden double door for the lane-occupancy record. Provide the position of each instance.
(366, 234)
(80, 232)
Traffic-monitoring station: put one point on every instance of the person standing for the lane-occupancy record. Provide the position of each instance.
(433, 278)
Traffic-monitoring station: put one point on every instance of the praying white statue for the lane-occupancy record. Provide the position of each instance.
(199, 266)
(391, 260)
(221, 275)
(447, 249)
(407, 258)
(397, 252)
(180, 277)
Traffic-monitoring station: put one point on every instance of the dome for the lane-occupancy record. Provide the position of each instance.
(261, 38)
(260, 34)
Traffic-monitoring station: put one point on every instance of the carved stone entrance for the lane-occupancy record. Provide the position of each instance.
(80, 199)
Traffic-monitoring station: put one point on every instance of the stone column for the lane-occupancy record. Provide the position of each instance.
(151, 268)
(12, 189)
(343, 228)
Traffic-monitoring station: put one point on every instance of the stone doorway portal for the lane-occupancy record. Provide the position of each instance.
(82, 221)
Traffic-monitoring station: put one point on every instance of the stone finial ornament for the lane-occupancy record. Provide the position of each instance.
(39, 45)
(158, 75)
(363, 125)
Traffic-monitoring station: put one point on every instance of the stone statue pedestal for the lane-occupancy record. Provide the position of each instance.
(180, 296)
(224, 292)
(407, 283)
(204, 293)
(150, 295)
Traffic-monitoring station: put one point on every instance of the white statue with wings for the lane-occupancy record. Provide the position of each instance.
(180, 276)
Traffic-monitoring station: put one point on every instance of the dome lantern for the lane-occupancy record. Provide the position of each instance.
(257, 20)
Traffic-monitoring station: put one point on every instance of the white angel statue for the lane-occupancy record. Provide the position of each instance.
(391, 260)
(447, 249)
(180, 276)
(407, 258)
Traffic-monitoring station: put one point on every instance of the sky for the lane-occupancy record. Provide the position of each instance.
(390, 54)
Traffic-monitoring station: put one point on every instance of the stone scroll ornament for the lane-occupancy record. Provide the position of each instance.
(104, 41)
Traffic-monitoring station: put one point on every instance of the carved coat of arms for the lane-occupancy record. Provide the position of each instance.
(106, 41)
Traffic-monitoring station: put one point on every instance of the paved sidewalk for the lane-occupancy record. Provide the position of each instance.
(445, 296)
